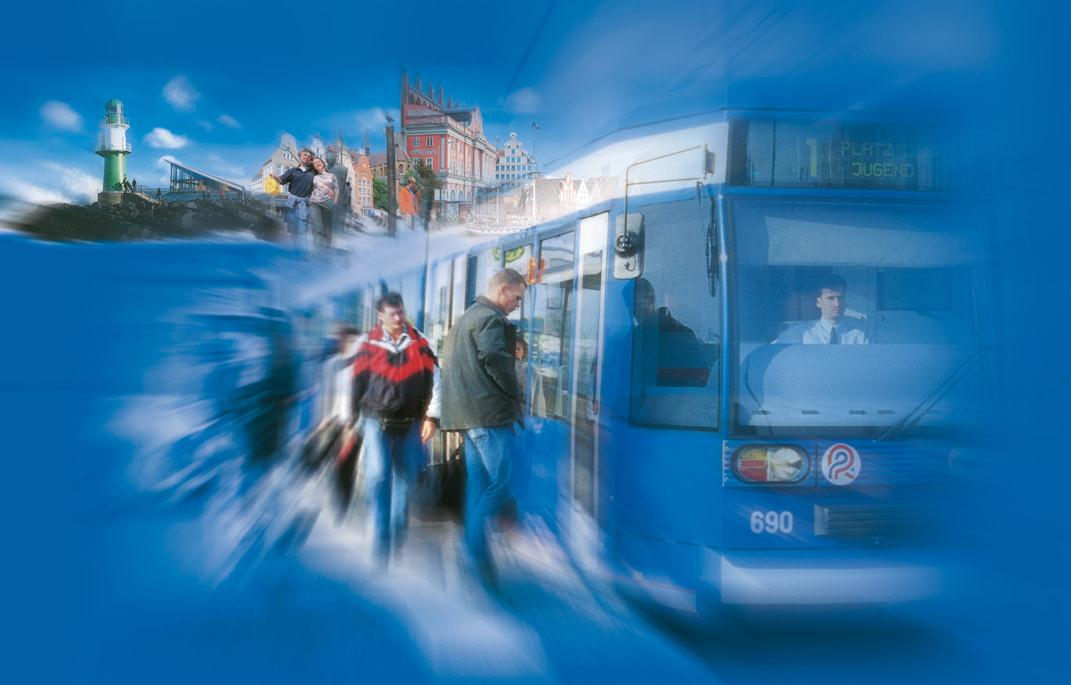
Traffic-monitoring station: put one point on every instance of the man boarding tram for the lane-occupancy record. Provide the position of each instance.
(481, 398)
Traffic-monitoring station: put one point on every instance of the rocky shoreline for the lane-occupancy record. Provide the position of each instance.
(139, 218)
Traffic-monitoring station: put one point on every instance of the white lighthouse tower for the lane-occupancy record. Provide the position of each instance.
(112, 146)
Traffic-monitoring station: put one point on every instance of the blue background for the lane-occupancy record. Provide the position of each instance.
(996, 70)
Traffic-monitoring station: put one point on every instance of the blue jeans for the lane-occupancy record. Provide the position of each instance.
(297, 220)
(391, 462)
(488, 463)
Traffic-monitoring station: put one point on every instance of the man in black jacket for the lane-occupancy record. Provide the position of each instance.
(299, 179)
(481, 399)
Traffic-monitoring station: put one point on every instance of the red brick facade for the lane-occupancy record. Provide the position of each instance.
(451, 140)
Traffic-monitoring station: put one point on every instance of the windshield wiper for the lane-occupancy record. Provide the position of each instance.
(953, 377)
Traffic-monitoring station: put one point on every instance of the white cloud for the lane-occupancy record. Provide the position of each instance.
(358, 122)
(165, 169)
(52, 183)
(162, 138)
(524, 101)
(206, 125)
(221, 166)
(228, 121)
(181, 94)
(28, 192)
(60, 115)
(76, 183)
(373, 119)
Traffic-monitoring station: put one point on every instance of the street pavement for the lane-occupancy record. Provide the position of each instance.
(544, 624)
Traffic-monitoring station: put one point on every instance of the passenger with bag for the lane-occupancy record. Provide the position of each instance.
(482, 400)
(396, 395)
(333, 403)
(334, 443)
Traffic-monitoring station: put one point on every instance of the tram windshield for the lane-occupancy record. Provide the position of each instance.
(852, 319)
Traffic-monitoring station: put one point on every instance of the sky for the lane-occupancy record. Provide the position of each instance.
(214, 84)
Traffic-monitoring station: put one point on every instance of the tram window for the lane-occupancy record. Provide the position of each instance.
(457, 294)
(351, 308)
(438, 299)
(550, 345)
(411, 295)
(371, 293)
(361, 306)
(928, 290)
(905, 319)
(519, 258)
(481, 266)
(676, 336)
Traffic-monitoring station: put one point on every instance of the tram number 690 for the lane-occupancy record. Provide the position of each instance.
(771, 522)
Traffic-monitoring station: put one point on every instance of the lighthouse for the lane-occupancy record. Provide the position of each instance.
(112, 146)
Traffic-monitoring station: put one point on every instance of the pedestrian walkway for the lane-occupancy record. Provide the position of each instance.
(544, 624)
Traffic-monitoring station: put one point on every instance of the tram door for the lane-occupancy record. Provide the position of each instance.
(587, 348)
(450, 442)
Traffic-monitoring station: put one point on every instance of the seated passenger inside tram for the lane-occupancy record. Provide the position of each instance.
(834, 326)
(670, 354)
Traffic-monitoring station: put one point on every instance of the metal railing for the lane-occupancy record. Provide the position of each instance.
(103, 146)
(150, 194)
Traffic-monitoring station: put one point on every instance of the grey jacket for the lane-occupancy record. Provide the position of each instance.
(479, 381)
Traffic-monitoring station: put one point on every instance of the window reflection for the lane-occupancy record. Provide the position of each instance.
(549, 348)
(676, 322)
(438, 305)
(481, 267)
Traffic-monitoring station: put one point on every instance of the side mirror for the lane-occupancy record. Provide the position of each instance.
(628, 245)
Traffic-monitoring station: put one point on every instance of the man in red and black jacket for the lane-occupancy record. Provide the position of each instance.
(396, 396)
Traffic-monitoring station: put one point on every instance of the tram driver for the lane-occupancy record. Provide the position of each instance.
(832, 326)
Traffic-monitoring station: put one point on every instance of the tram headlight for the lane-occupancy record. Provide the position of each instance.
(771, 463)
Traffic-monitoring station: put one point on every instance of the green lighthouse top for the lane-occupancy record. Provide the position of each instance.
(113, 112)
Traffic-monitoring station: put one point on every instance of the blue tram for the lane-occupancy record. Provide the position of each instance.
(690, 434)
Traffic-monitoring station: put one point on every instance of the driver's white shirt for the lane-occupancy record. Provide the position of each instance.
(817, 333)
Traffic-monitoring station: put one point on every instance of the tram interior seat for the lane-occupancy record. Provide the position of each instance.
(840, 385)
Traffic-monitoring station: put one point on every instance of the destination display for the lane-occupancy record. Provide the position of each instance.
(795, 154)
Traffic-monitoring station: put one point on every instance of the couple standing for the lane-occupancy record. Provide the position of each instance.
(313, 194)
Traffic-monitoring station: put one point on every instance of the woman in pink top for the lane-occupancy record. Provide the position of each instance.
(322, 203)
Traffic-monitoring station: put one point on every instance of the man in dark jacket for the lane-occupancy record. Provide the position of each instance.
(482, 400)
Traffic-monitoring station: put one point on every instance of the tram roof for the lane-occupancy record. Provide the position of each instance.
(612, 153)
